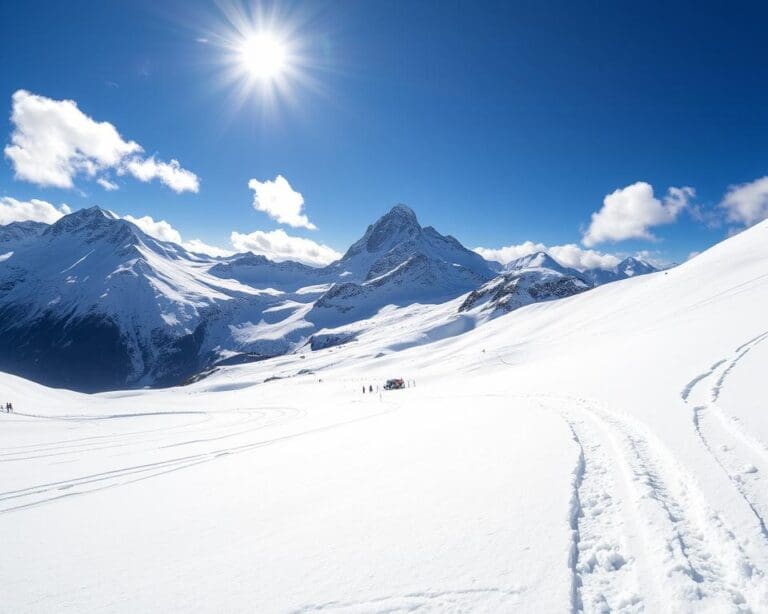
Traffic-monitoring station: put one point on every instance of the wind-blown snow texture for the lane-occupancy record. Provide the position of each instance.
(603, 452)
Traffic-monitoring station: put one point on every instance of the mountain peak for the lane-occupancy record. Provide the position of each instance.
(399, 224)
(88, 217)
(536, 260)
(95, 224)
(402, 210)
(634, 260)
(91, 213)
(631, 266)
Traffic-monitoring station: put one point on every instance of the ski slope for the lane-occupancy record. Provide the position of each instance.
(601, 453)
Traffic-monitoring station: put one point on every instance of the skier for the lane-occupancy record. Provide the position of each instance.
(370, 388)
(363, 389)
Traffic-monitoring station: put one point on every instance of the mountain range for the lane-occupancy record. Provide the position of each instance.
(93, 303)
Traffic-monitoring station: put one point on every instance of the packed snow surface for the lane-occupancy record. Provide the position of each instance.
(604, 452)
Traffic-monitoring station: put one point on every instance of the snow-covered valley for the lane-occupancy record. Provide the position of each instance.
(600, 452)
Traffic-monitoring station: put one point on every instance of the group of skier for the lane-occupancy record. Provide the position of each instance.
(392, 384)
(8, 408)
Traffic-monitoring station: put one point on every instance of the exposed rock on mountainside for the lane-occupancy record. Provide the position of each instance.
(514, 290)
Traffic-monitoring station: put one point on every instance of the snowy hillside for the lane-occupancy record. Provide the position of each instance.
(603, 452)
(93, 302)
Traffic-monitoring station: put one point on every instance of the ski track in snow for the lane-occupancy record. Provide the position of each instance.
(474, 600)
(14, 500)
(224, 425)
(603, 578)
(644, 536)
(741, 455)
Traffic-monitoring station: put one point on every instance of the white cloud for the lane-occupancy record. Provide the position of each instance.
(573, 256)
(12, 210)
(108, 185)
(280, 202)
(510, 252)
(169, 173)
(747, 203)
(279, 246)
(199, 247)
(630, 213)
(159, 229)
(53, 142)
(163, 231)
(569, 255)
(654, 258)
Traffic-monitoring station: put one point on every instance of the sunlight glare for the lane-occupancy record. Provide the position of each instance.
(263, 55)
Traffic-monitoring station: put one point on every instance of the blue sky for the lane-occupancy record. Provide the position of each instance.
(498, 123)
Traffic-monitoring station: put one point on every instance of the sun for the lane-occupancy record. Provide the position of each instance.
(263, 55)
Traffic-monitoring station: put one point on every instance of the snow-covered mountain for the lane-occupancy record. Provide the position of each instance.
(399, 262)
(629, 267)
(538, 260)
(13, 233)
(395, 238)
(516, 289)
(533, 278)
(92, 302)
